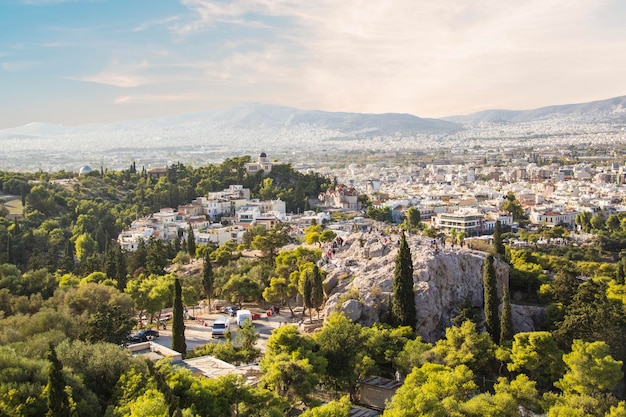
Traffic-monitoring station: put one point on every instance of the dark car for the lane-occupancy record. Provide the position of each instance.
(144, 335)
(231, 311)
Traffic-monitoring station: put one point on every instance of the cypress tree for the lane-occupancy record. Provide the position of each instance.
(120, 269)
(191, 243)
(178, 326)
(491, 299)
(307, 292)
(57, 398)
(506, 321)
(498, 246)
(208, 279)
(619, 279)
(317, 290)
(403, 308)
(67, 263)
(109, 265)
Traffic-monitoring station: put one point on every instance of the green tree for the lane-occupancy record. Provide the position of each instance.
(583, 219)
(537, 355)
(191, 242)
(178, 326)
(336, 408)
(433, 390)
(307, 290)
(85, 246)
(514, 208)
(591, 317)
(190, 297)
(67, 263)
(327, 236)
(341, 343)
(55, 391)
(413, 355)
(591, 369)
(156, 257)
(466, 346)
(287, 340)
(269, 244)
(403, 304)
(498, 245)
(597, 222)
(317, 289)
(290, 376)
(241, 288)
(208, 279)
(413, 218)
(490, 296)
(110, 324)
(506, 319)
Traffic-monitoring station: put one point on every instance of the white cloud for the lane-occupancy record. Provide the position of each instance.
(414, 55)
(161, 98)
(160, 22)
(119, 75)
(16, 66)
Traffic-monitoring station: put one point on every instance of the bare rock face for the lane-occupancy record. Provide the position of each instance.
(444, 278)
(352, 309)
(527, 318)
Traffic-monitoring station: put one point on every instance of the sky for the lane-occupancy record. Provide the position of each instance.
(83, 61)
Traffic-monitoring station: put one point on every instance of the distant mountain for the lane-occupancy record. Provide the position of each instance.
(613, 109)
(254, 117)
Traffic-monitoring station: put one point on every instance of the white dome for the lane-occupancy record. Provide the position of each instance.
(84, 170)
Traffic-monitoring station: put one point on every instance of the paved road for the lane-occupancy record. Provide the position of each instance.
(198, 332)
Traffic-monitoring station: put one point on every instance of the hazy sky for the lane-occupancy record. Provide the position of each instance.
(78, 61)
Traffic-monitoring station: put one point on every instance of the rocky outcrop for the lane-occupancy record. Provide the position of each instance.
(444, 279)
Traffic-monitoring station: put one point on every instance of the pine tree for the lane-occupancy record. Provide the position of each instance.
(498, 246)
(178, 326)
(403, 308)
(208, 280)
(491, 299)
(317, 290)
(506, 321)
(191, 243)
(57, 398)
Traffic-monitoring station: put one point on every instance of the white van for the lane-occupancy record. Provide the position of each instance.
(220, 325)
(242, 315)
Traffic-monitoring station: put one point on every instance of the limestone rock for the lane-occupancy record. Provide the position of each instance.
(527, 318)
(444, 279)
(352, 309)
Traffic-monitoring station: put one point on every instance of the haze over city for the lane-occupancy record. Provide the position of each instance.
(75, 62)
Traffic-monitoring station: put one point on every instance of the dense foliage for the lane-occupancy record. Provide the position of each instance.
(69, 297)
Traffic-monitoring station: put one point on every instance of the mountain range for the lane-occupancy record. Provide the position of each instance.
(264, 116)
(613, 109)
(249, 128)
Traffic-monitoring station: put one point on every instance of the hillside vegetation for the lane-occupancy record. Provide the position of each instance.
(69, 297)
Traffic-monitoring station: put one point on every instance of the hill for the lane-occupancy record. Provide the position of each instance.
(613, 109)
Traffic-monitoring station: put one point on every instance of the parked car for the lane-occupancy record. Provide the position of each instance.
(220, 326)
(231, 310)
(144, 335)
(243, 315)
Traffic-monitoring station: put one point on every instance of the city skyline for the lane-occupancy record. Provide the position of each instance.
(84, 61)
